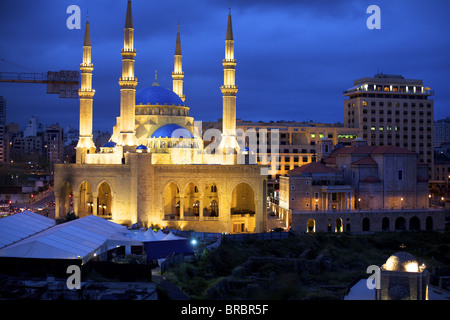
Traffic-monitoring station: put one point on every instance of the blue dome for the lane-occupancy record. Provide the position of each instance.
(141, 147)
(109, 144)
(167, 131)
(158, 95)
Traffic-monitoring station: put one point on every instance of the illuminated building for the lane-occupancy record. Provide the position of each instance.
(390, 110)
(154, 169)
(297, 143)
(402, 278)
(358, 189)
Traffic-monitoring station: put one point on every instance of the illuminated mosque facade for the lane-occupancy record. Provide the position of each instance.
(156, 170)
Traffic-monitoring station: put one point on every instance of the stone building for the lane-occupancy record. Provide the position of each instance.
(402, 278)
(357, 189)
(154, 170)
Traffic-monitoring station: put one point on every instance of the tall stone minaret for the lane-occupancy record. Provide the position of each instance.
(229, 89)
(85, 143)
(178, 74)
(128, 84)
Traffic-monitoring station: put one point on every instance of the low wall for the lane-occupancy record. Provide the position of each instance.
(369, 221)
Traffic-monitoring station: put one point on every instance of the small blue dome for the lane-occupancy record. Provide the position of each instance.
(158, 95)
(167, 131)
(141, 147)
(109, 144)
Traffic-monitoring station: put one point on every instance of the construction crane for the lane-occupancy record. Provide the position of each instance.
(65, 83)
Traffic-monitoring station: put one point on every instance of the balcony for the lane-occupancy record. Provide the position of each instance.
(358, 89)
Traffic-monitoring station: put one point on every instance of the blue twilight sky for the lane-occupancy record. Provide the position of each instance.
(294, 57)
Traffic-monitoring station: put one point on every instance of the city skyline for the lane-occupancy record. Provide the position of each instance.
(302, 56)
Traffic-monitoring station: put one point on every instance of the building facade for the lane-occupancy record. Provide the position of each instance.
(359, 189)
(294, 143)
(441, 132)
(390, 110)
(154, 170)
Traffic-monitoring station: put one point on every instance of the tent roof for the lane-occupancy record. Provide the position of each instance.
(171, 236)
(79, 238)
(21, 225)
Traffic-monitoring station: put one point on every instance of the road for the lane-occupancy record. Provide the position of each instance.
(42, 203)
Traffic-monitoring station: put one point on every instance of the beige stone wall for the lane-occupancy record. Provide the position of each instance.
(138, 192)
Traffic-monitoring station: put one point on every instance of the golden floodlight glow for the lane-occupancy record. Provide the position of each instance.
(412, 267)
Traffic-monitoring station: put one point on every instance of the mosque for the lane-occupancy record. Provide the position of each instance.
(156, 169)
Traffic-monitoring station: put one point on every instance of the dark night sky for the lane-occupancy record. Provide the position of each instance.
(294, 57)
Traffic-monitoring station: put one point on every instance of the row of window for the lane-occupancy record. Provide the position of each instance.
(389, 120)
(397, 136)
(396, 112)
(390, 104)
(397, 144)
(395, 128)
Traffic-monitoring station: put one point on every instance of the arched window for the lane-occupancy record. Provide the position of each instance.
(196, 208)
(339, 225)
(311, 226)
(214, 208)
(104, 200)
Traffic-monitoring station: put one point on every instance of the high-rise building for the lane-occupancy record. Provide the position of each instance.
(441, 132)
(54, 143)
(390, 110)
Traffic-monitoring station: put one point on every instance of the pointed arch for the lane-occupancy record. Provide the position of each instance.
(243, 199)
(104, 199)
(171, 201)
(85, 199)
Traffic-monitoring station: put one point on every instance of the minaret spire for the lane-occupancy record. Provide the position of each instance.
(128, 83)
(178, 74)
(229, 89)
(85, 142)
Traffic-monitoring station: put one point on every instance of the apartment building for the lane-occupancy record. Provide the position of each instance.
(390, 110)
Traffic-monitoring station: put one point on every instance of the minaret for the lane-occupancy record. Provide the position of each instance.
(229, 90)
(128, 84)
(86, 93)
(178, 74)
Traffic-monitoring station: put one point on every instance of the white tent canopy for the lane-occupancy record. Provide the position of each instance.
(21, 225)
(150, 235)
(81, 238)
(171, 236)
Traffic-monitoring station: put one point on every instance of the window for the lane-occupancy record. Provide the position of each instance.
(400, 174)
